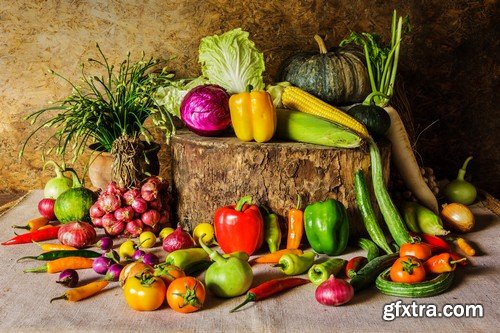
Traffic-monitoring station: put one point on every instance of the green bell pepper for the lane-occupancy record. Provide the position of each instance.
(327, 227)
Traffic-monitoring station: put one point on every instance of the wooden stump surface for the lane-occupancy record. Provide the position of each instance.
(208, 173)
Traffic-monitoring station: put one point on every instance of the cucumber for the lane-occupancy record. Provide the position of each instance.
(372, 250)
(437, 285)
(367, 275)
(367, 214)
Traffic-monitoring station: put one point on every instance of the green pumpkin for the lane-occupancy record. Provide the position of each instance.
(375, 118)
(338, 76)
(74, 204)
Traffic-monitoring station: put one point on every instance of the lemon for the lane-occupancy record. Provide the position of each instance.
(147, 239)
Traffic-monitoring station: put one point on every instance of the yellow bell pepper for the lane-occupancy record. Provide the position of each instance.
(253, 116)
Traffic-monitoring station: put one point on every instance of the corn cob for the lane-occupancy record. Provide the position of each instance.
(304, 127)
(298, 99)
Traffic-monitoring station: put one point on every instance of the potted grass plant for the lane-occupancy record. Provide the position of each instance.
(106, 113)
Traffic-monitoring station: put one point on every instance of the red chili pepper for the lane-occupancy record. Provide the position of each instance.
(436, 242)
(456, 256)
(354, 265)
(269, 288)
(442, 263)
(37, 236)
(240, 227)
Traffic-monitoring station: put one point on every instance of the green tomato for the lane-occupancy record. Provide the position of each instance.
(127, 249)
(147, 239)
(165, 232)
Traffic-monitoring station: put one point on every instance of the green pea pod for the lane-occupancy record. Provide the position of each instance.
(182, 258)
(321, 272)
(327, 227)
(292, 264)
(272, 232)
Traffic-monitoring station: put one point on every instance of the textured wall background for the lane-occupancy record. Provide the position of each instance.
(448, 63)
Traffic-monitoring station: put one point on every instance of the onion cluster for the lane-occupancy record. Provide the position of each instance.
(128, 212)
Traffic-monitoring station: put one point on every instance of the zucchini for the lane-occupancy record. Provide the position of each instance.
(367, 214)
(369, 273)
(372, 250)
(394, 222)
(437, 285)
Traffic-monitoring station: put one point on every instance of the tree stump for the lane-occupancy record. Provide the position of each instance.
(211, 172)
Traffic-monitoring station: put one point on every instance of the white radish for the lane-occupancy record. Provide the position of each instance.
(406, 163)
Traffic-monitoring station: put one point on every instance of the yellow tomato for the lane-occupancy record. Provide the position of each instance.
(144, 292)
(165, 232)
(204, 228)
(147, 239)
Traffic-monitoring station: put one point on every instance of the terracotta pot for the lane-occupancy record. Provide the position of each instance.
(101, 163)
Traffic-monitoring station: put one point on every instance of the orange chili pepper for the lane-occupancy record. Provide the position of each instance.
(274, 258)
(58, 265)
(33, 224)
(82, 292)
(295, 226)
(465, 247)
(441, 263)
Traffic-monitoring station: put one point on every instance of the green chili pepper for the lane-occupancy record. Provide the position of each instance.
(183, 257)
(52, 255)
(292, 264)
(272, 231)
(321, 272)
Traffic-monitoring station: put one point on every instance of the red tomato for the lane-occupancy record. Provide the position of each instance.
(421, 251)
(186, 294)
(407, 270)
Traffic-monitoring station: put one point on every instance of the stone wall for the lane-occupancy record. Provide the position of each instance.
(448, 63)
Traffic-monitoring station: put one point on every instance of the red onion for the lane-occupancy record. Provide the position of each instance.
(131, 195)
(109, 202)
(108, 220)
(134, 228)
(96, 211)
(115, 229)
(164, 218)
(334, 292)
(77, 234)
(155, 204)
(113, 188)
(97, 221)
(124, 214)
(151, 217)
(179, 239)
(68, 278)
(101, 265)
(46, 208)
(149, 191)
(139, 205)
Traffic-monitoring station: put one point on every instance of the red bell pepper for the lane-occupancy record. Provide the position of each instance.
(239, 227)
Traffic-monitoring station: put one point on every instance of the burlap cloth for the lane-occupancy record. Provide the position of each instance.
(24, 297)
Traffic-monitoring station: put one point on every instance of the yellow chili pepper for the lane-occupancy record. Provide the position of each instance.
(253, 116)
(46, 247)
(82, 292)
